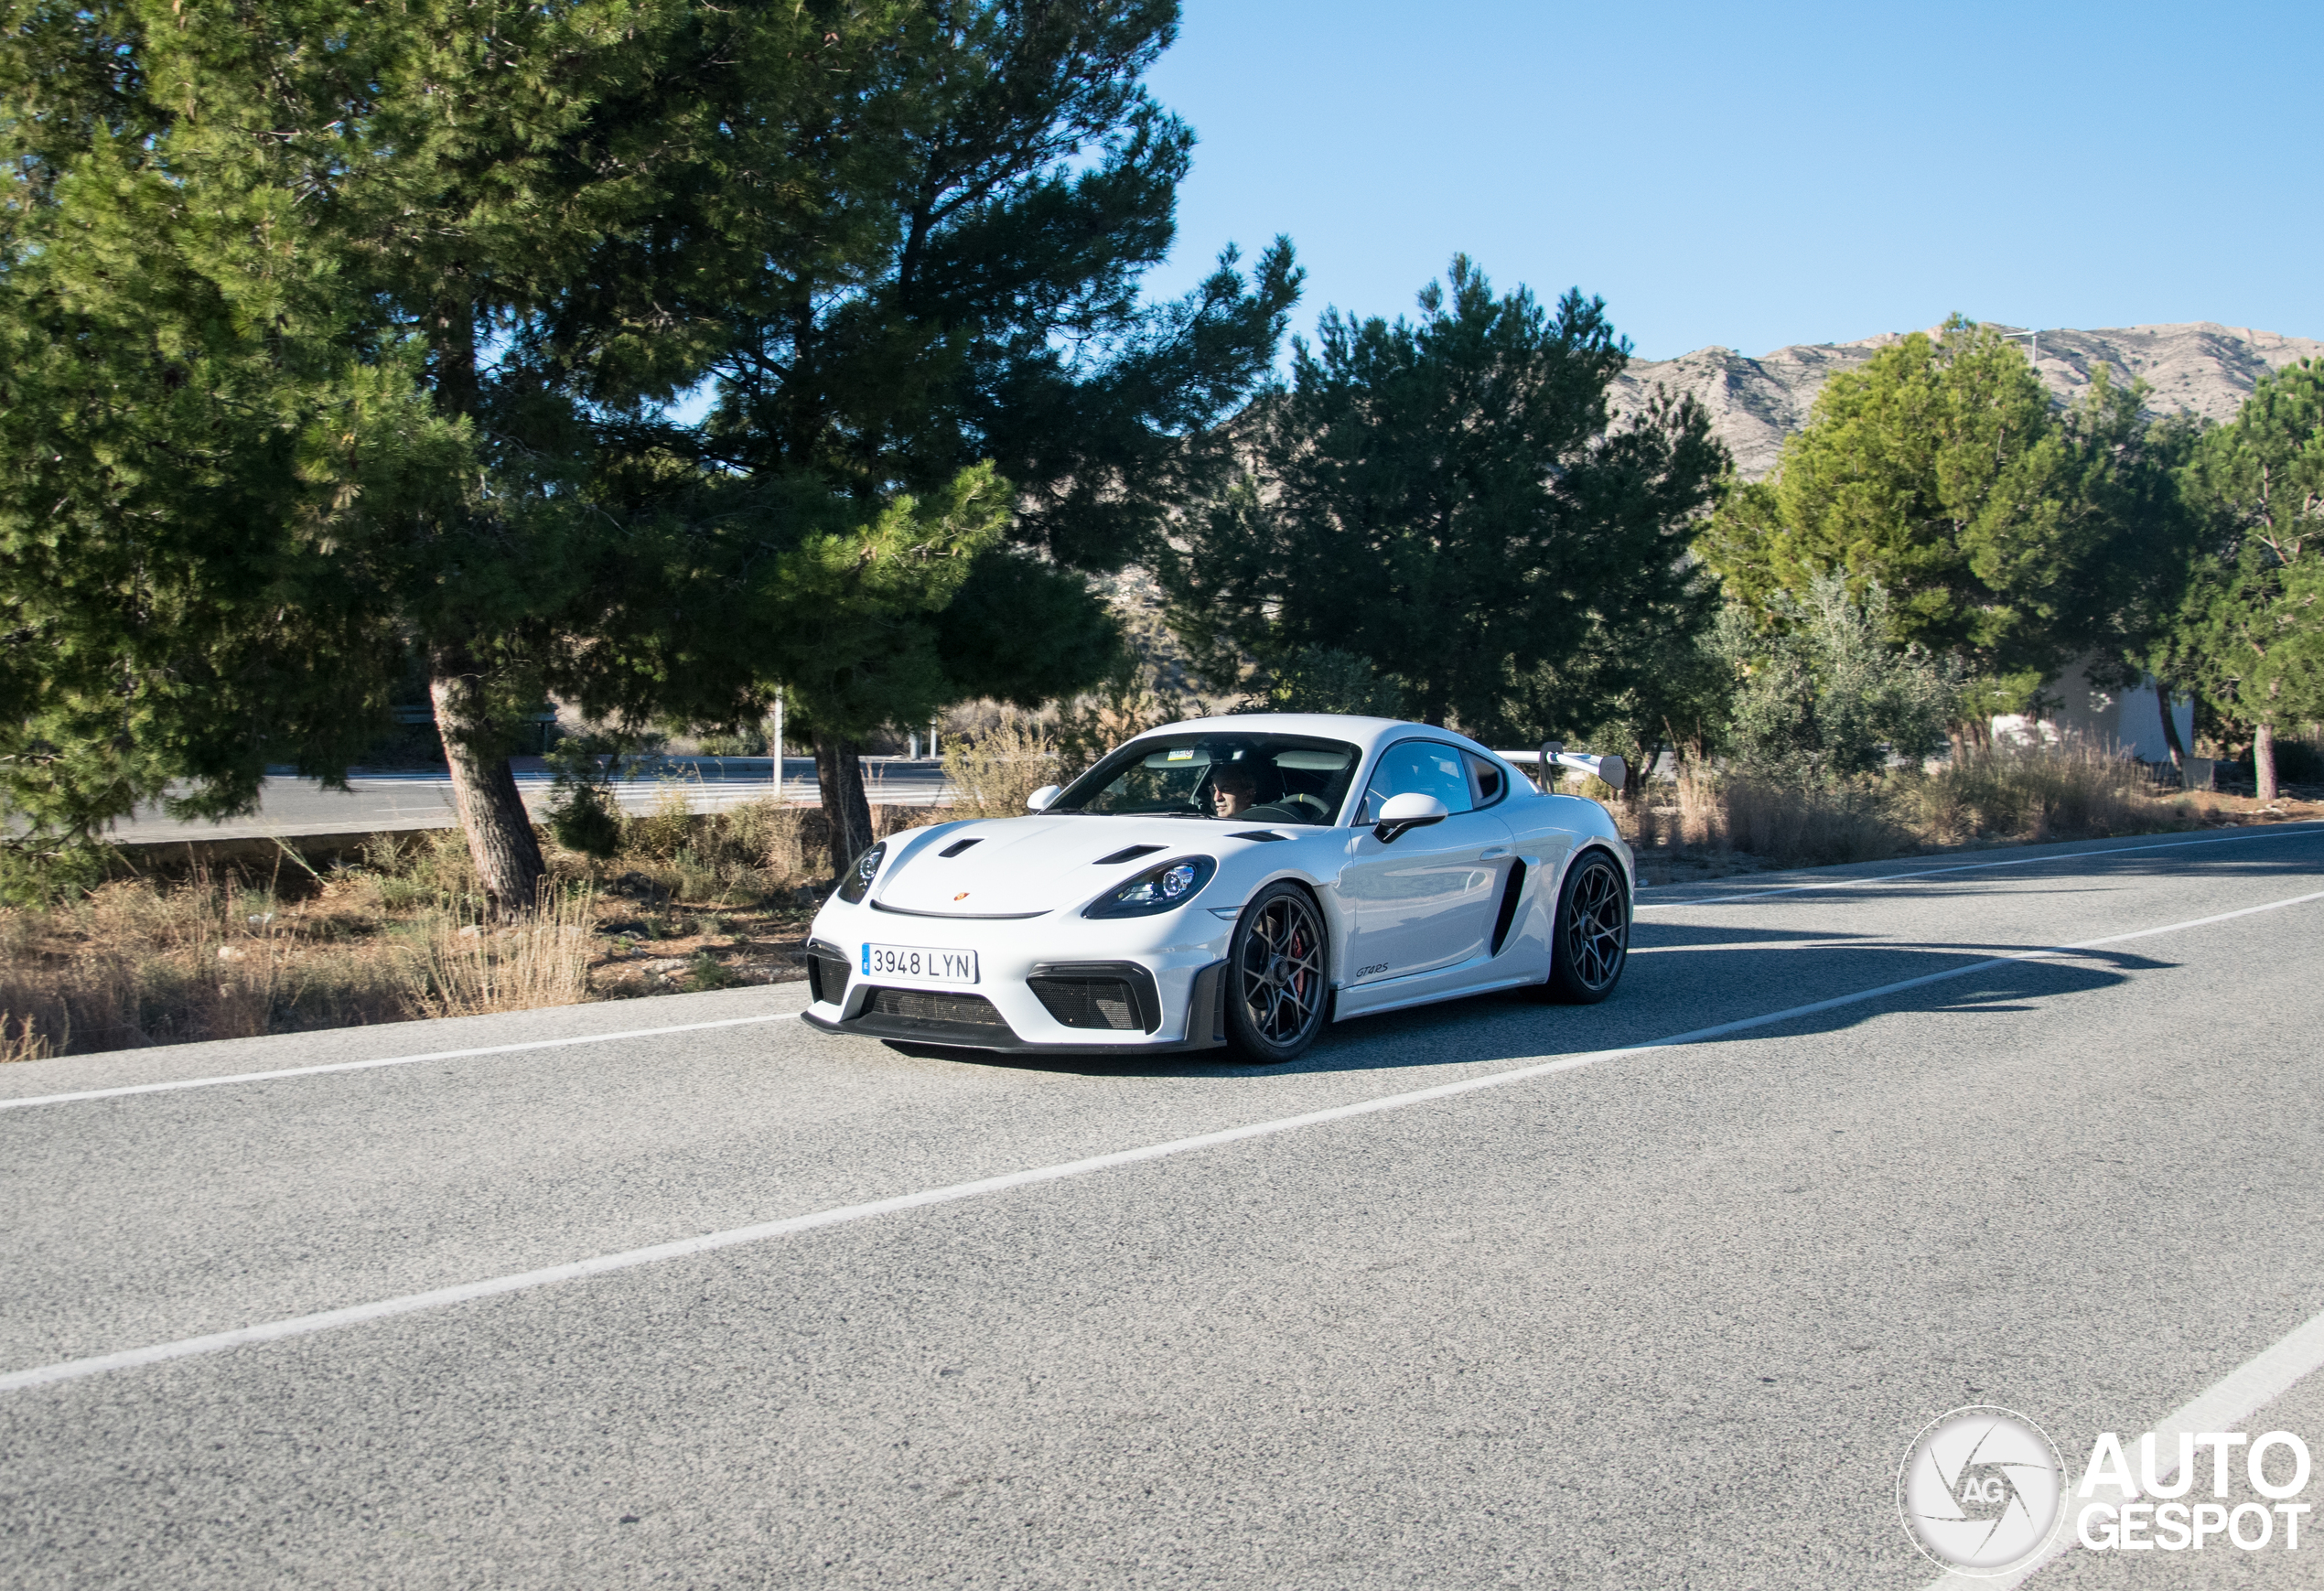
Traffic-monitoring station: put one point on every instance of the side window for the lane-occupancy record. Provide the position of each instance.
(1417, 766)
(1490, 781)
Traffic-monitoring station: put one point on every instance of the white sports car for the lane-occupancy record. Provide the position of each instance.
(1231, 883)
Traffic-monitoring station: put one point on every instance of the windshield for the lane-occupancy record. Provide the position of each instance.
(1244, 778)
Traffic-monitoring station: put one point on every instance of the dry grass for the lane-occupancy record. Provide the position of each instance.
(2073, 792)
(2003, 795)
(691, 901)
(21, 1040)
(710, 901)
(759, 849)
(135, 964)
(1700, 816)
(1808, 828)
(896, 819)
(992, 775)
(469, 969)
(707, 900)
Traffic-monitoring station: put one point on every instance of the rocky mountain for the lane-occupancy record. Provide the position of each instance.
(1755, 403)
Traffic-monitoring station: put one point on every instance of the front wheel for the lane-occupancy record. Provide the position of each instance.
(1276, 983)
(1590, 943)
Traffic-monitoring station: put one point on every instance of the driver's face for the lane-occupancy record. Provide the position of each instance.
(1229, 798)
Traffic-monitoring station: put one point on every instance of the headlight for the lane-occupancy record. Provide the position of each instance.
(858, 881)
(1162, 888)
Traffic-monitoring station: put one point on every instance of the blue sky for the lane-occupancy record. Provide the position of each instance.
(1763, 175)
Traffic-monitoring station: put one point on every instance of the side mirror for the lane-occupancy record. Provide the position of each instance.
(1613, 770)
(1411, 811)
(1039, 802)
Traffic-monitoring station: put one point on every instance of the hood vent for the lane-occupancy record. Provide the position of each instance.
(957, 846)
(1129, 854)
(1257, 834)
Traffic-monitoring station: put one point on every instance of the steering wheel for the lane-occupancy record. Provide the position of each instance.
(1292, 809)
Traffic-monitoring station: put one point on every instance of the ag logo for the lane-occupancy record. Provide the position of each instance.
(1982, 1490)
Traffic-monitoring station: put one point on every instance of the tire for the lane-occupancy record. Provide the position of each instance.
(1278, 976)
(1591, 941)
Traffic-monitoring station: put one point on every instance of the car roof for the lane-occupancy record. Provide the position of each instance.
(1368, 734)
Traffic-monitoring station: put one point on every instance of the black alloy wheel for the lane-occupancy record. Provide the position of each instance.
(1277, 983)
(1591, 941)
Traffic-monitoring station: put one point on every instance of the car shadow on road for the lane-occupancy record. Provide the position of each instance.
(1655, 1003)
(1661, 936)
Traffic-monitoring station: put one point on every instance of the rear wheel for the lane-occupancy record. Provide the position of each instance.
(1590, 943)
(1276, 983)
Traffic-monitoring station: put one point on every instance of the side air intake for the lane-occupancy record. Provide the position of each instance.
(1509, 894)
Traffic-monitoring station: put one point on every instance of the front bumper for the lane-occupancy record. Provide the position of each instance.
(1116, 998)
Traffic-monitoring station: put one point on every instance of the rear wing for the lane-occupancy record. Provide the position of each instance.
(1610, 769)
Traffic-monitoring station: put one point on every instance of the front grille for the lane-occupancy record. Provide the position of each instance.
(1107, 1003)
(934, 1010)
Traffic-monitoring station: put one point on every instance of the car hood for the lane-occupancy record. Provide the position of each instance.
(1025, 866)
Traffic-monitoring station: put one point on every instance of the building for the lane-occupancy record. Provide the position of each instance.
(2131, 719)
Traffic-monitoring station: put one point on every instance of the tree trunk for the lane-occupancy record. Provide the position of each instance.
(2264, 760)
(493, 815)
(839, 773)
(2170, 730)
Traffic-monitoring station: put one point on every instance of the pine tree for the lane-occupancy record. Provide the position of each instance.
(471, 218)
(1446, 499)
(1939, 471)
(2253, 618)
(344, 330)
(185, 433)
(994, 320)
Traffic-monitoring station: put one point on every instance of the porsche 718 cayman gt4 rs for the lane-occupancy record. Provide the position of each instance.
(1231, 883)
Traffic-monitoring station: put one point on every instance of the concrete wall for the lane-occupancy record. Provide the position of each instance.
(2130, 719)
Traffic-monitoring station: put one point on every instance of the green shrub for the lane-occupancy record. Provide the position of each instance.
(709, 973)
(1825, 697)
(662, 831)
(585, 820)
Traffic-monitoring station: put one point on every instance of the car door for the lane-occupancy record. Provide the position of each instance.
(1427, 898)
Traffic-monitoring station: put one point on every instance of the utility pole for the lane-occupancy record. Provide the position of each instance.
(2033, 343)
(774, 745)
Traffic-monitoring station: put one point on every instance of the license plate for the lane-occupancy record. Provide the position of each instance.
(930, 966)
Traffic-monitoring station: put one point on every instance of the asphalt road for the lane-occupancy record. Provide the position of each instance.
(1668, 1317)
(374, 802)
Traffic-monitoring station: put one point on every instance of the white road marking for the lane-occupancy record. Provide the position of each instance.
(201, 1082)
(411, 1302)
(212, 1082)
(2268, 834)
(2224, 1406)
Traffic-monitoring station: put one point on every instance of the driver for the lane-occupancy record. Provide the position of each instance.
(1234, 792)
